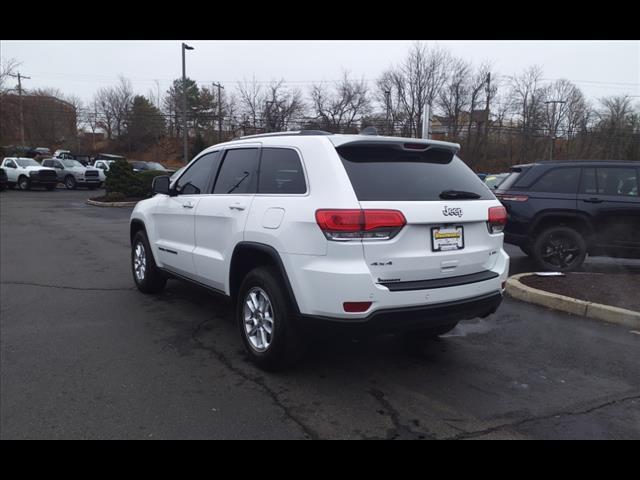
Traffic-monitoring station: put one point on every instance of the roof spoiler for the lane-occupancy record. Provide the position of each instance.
(409, 144)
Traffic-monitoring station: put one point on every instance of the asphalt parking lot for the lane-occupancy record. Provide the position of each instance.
(83, 354)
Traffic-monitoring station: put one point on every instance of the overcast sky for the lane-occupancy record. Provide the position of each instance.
(599, 68)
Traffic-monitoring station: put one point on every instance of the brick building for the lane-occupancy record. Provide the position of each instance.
(48, 121)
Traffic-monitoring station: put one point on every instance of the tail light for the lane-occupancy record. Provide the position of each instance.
(360, 224)
(497, 219)
(512, 198)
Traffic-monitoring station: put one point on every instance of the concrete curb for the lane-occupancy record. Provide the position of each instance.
(111, 204)
(597, 311)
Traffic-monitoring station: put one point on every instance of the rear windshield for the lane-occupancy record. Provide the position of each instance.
(508, 182)
(390, 173)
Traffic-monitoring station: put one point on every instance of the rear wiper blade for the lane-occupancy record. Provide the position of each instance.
(458, 194)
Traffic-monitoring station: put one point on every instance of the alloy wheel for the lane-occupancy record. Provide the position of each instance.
(139, 262)
(560, 250)
(258, 319)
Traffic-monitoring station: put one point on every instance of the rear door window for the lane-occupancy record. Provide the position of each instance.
(391, 173)
(239, 172)
(620, 182)
(558, 180)
(281, 172)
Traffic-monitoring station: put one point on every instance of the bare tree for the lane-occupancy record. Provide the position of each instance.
(114, 104)
(417, 82)
(251, 99)
(617, 123)
(343, 107)
(527, 96)
(7, 70)
(454, 97)
(282, 105)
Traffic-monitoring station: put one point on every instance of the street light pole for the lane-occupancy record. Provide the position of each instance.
(184, 103)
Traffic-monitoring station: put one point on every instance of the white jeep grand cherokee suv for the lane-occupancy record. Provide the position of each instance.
(296, 227)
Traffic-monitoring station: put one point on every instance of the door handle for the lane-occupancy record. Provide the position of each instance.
(188, 205)
(592, 200)
(237, 206)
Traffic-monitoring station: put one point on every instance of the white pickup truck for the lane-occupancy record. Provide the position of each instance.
(27, 173)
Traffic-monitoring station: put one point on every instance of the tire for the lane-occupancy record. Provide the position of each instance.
(23, 183)
(283, 346)
(149, 278)
(70, 182)
(561, 249)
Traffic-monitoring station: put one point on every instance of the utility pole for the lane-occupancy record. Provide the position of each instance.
(552, 136)
(20, 77)
(219, 110)
(184, 104)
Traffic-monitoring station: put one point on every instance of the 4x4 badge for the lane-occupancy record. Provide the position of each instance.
(449, 212)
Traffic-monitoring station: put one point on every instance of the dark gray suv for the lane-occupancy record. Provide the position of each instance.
(558, 212)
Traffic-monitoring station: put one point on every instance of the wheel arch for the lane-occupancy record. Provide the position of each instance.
(573, 219)
(135, 226)
(249, 255)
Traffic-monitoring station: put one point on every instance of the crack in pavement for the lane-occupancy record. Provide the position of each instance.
(478, 433)
(64, 287)
(222, 358)
(399, 430)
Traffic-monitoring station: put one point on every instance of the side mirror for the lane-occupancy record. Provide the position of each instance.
(161, 185)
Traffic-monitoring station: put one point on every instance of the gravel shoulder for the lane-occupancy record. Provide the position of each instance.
(615, 289)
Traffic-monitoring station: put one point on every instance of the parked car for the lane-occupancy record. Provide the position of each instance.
(3, 179)
(159, 167)
(62, 154)
(386, 233)
(494, 179)
(83, 158)
(44, 151)
(73, 174)
(103, 167)
(27, 173)
(108, 157)
(559, 212)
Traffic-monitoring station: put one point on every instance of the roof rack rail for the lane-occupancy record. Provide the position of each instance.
(284, 134)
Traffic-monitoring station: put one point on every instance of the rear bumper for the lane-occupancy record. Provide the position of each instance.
(424, 316)
(321, 285)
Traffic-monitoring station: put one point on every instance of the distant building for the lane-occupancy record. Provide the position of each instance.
(47, 120)
(444, 126)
